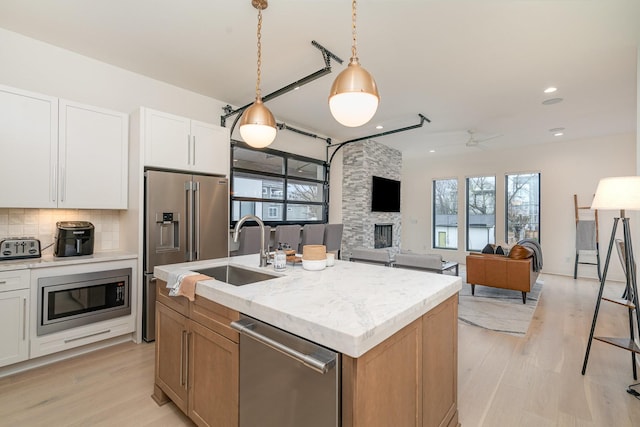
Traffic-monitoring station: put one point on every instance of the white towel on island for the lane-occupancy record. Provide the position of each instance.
(175, 279)
(184, 284)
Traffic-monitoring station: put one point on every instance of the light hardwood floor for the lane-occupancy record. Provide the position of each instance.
(503, 380)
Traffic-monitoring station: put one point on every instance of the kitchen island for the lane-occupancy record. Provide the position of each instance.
(396, 330)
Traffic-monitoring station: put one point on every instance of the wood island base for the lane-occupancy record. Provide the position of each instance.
(410, 379)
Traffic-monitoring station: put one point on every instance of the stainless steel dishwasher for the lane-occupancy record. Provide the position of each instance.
(285, 381)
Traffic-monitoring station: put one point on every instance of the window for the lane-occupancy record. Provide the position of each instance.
(481, 212)
(445, 213)
(273, 212)
(277, 187)
(522, 206)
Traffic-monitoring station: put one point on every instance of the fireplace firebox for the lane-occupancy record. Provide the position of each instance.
(383, 236)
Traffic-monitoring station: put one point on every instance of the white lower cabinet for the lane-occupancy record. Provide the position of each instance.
(76, 337)
(14, 316)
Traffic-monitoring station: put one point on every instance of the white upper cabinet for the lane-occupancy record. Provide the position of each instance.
(28, 149)
(57, 153)
(167, 140)
(93, 153)
(176, 142)
(210, 147)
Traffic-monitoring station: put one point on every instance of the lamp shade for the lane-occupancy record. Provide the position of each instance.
(257, 125)
(354, 96)
(618, 193)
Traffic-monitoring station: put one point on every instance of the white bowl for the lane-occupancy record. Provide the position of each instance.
(314, 265)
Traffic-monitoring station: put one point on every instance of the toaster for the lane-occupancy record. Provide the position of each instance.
(19, 247)
(73, 238)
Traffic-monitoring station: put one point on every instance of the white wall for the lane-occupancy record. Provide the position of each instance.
(40, 67)
(566, 168)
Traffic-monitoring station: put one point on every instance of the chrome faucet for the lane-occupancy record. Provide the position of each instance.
(236, 232)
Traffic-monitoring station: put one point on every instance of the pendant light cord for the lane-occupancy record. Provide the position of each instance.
(354, 52)
(258, 92)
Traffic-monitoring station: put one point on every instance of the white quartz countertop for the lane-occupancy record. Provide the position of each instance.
(51, 261)
(350, 307)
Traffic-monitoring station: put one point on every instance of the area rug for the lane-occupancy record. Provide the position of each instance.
(499, 310)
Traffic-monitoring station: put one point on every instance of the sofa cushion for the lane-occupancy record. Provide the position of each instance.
(520, 252)
(432, 261)
(373, 255)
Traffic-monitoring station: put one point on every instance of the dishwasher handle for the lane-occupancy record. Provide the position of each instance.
(247, 327)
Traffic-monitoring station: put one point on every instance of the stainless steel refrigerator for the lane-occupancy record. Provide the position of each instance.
(186, 219)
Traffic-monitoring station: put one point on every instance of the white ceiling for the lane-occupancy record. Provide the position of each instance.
(475, 64)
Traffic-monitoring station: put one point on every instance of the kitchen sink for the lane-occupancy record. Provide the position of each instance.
(235, 275)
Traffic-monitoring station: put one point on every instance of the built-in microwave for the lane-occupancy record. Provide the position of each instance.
(79, 299)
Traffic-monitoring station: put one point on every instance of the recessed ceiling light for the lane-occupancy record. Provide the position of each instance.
(432, 151)
(551, 101)
(558, 134)
(550, 89)
(379, 127)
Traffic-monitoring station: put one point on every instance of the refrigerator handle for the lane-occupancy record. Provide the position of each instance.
(189, 210)
(196, 219)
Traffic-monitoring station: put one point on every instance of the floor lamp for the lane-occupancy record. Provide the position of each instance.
(619, 193)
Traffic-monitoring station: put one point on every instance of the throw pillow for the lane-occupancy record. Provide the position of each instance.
(499, 250)
(520, 252)
(489, 249)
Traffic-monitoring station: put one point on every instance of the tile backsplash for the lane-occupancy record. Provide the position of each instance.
(41, 224)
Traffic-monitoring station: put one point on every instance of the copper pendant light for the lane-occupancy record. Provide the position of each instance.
(354, 96)
(257, 124)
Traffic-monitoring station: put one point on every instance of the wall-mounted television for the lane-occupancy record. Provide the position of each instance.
(385, 195)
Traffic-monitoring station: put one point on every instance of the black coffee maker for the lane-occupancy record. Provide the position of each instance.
(73, 238)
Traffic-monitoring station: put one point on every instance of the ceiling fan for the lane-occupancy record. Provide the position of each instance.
(475, 142)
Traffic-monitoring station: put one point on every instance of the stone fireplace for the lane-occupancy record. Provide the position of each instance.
(361, 161)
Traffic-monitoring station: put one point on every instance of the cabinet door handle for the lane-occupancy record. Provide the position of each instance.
(54, 183)
(63, 184)
(106, 331)
(188, 149)
(193, 157)
(182, 339)
(24, 319)
(186, 365)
